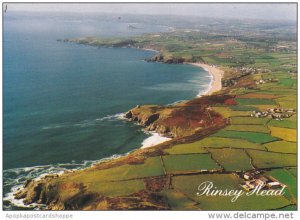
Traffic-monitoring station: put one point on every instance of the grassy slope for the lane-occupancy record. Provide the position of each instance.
(255, 137)
(232, 159)
(288, 179)
(189, 163)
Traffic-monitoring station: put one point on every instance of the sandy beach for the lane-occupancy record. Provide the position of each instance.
(217, 74)
(215, 85)
(153, 140)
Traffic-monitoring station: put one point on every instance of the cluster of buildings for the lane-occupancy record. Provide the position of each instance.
(274, 113)
(254, 179)
(245, 70)
(263, 71)
(263, 81)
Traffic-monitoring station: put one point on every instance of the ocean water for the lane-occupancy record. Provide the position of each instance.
(63, 102)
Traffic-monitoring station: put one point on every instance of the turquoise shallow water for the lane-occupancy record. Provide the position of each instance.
(62, 101)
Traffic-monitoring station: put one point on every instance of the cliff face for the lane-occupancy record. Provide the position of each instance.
(182, 119)
(60, 194)
(82, 189)
(164, 59)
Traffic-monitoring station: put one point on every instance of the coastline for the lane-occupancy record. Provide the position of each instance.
(217, 75)
(215, 85)
(148, 49)
(205, 144)
(154, 140)
(150, 142)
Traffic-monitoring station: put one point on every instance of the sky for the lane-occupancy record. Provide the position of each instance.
(266, 11)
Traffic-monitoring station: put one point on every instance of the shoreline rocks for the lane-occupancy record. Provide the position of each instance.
(183, 121)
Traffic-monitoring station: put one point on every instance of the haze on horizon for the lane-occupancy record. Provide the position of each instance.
(265, 11)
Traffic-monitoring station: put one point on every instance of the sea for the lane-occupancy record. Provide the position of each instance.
(63, 103)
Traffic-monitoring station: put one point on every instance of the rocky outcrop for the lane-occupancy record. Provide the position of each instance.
(67, 195)
(35, 191)
(163, 59)
(186, 122)
(151, 117)
(145, 115)
(182, 119)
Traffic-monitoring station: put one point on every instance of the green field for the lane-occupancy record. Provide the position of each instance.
(287, 103)
(289, 180)
(228, 112)
(282, 146)
(247, 101)
(195, 147)
(178, 201)
(232, 159)
(253, 95)
(264, 107)
(288, 208)
(293, 171)
(116, 188)
(255, 137)
(254, 128)
(275, 90)
(249, 121)
(285, 123)
(123, 172)
(288, 82)
(220, 142)
(264, 159)
(189, 163)
(243, 108)
(286, 134)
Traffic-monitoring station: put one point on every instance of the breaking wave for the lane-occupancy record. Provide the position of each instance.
(86, 123)
(15, 178)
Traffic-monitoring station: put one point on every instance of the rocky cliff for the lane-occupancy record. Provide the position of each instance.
(179, 120)
(76, 190)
